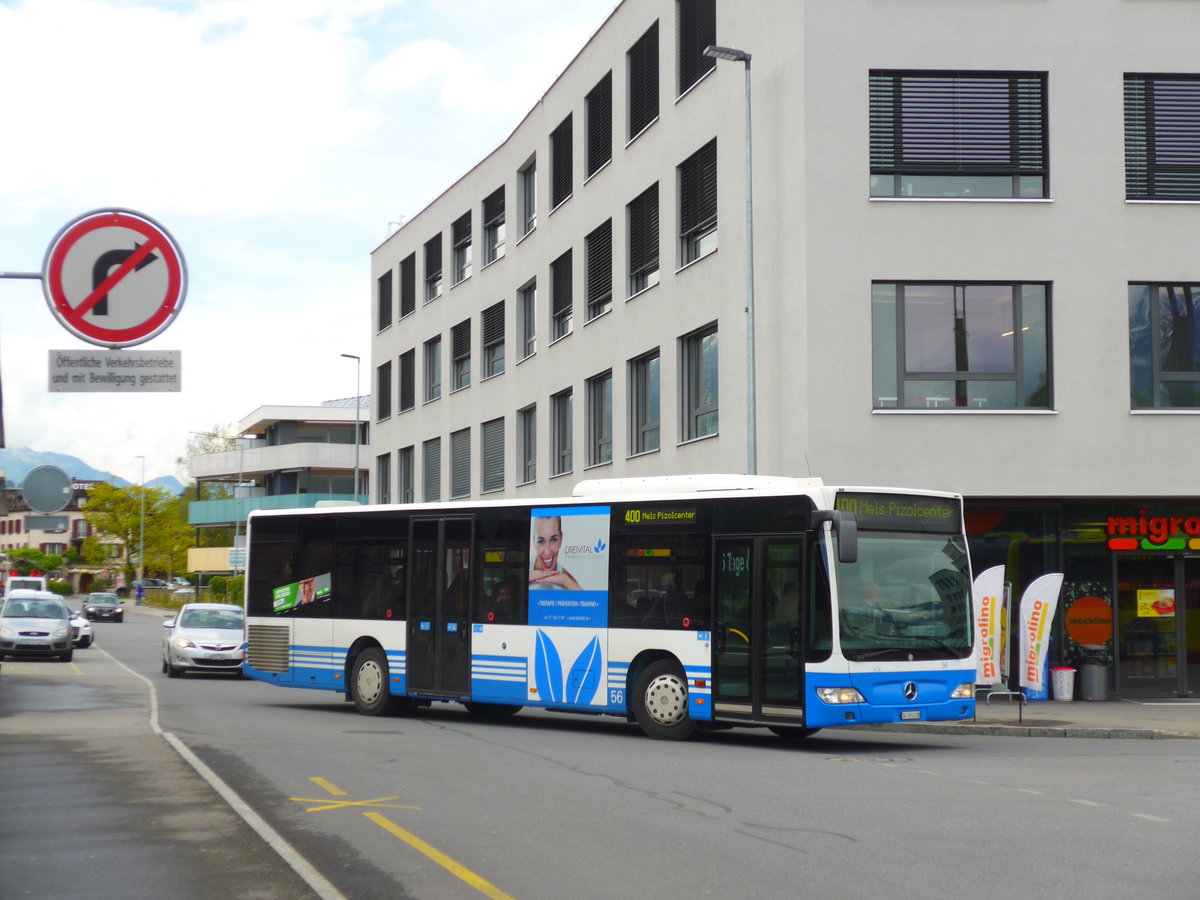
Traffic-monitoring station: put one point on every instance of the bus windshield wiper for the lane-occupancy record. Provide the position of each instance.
(954, 654)
(875, 654)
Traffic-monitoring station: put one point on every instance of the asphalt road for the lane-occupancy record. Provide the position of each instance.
(443, 805)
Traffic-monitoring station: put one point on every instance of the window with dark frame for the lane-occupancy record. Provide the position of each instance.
(383, 477)
(408, 380)
(460, 464)
(527, 184)
(700, 379)
(527, 466)
(698, 203)
(461, 235)
(561, 165)
(562, 304)
(961, 345)
(383, 391)
(562, 432)
(404, 475)
(383, 296)
(697, 31)
(433, 368)
(527, 312)
(644, 403)
(643, 240)
(431, 470)
(460, 355)
(491, 442)
(598, 274)
(492, 329)
(643, 81)
(493, 226)
(433, 268)
(408, 285)
(599, 401)
(1162, 137)
(959, 134)
(598, 109)
(1164, 345)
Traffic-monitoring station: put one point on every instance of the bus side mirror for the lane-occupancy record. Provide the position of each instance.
(845, 529)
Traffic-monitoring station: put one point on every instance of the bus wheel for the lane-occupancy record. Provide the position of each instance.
(369, 682)
(660, 702)
(492, 710)
(792, 732)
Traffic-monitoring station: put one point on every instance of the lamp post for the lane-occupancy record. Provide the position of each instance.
(357, 412)
(729, 53)
(142, 526)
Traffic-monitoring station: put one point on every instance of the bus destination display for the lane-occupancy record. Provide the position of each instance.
(902, 512)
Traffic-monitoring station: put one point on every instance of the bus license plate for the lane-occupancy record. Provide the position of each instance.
(909, 714)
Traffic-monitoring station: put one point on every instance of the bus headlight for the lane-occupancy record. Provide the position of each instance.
(963, 692)
(837, 695)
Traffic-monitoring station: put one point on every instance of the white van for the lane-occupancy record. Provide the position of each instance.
(24, 583)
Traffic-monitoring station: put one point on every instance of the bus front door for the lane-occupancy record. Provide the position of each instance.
(758, 665)
(438, 658)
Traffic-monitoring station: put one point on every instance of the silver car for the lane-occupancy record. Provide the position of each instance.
(204, 637)
(35, 623)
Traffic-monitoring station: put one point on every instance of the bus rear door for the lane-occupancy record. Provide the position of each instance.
(439, 634)
(758, 665)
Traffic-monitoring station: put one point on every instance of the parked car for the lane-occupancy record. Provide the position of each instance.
(184, 591)
(148, 583)
(81, 629)
(204, 637)
(35, 623)
(103, 605)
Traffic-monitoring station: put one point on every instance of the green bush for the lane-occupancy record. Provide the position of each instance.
(62, 588)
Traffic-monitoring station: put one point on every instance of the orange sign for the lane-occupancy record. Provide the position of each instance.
(1089, 621)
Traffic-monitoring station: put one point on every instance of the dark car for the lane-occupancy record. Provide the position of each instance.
(104, 606)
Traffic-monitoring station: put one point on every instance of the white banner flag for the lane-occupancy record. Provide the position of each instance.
(988, 592)
(1037, 612)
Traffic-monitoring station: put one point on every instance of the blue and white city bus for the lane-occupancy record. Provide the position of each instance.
(677, 602)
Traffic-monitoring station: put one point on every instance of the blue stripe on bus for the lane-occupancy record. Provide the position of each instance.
(884, 693)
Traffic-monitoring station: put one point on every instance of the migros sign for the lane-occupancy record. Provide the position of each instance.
(1143, 532)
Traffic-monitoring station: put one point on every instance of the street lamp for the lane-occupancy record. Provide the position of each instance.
(142, 526)
(357, 412)
(732, 55)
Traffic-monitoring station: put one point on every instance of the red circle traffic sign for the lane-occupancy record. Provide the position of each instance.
(114, 277)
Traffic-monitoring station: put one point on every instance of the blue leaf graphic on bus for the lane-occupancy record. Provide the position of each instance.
(548, 669)
(600, 546)
(585, 674)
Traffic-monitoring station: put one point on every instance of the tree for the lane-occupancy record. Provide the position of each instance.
(27, 560)
(117, 512)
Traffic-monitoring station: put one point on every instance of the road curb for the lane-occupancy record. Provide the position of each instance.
(1034, 731)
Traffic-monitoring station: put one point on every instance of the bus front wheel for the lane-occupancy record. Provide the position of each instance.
(660, 702)
(369, 683)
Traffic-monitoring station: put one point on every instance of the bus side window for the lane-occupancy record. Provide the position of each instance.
(820, 614)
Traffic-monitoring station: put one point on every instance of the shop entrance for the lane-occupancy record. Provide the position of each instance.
(1157, 624)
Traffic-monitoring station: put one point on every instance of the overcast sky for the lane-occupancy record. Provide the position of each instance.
(275, 140)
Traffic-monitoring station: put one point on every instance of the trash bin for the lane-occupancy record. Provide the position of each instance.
(1063, 678)
(1093, 681)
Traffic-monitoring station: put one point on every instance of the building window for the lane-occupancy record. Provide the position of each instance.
(404, 475)
(643, 240)
(598, 277)
(461, 235)
(491, 440)
(598, 109)
(599, 421)
(383, 298)
(643, 81)
(433, 268)
(560, 296)
(699, 379)
(1162, 137)
(408, 285)
(527, 315)
(561, 434)
(697, 30)
(460, 360)
(960, 346)
(383, 391)
(383, 478)
(493, 226)
(433, 368)
(958, 134)
(527, 184)
(408, 380)
(460, 464)
(698, 204)
(644, 403)
(560, 163)
(431, 470)
(527, 434)
(493, 340)
(1164, 346)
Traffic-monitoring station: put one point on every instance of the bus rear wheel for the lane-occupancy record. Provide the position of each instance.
(369, 684)
(660, 702)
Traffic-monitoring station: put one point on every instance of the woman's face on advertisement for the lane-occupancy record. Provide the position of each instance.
(549, 540)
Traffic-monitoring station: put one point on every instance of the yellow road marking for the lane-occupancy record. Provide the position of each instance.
(332, 788)
(480, 884)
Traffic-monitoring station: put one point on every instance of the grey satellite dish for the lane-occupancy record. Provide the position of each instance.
(47, 489)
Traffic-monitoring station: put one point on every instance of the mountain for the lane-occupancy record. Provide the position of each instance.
(17, 462)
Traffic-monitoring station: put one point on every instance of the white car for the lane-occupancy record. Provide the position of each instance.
(204, 637)
(35, 623)
(81, 629)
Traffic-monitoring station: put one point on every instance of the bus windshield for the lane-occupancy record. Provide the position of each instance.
(907, 596)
